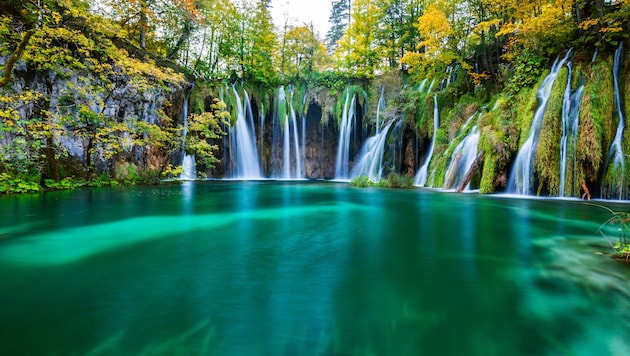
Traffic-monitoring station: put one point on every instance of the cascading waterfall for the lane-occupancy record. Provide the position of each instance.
(370, 160)
(261, 132)
(303, 158)
(244, 138)
(345, 129)
(423, 172)
(521, 176)
(570, 123)
(189, 171)
(291, 169)
(380, 106)
(462, 159)
(615, 160)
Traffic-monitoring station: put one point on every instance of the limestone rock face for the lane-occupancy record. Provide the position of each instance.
(78, 104)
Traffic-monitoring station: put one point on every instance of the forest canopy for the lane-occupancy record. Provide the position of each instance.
(226, 40)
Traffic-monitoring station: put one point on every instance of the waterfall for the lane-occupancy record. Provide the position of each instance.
(303, 157)
(462, 158)
(380, 107)
(521, 177)
(261, 132)
(291, 168)
(244, 138)
(615, 159)
(298, 156)
(345, 129)
(189, 171)
(570, 121)
(370, 160)
(422, 175)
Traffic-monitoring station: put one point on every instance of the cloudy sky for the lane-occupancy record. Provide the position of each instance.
(302, 11)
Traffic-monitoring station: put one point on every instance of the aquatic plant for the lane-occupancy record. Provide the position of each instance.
(393, 180)
(621, 246)
(361, 181)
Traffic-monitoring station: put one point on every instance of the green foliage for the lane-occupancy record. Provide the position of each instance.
(12, 185)
(67, 183)
(361, 181)
(102, 180)
(525, 70)
(127, 173)
(393, 180)
(334, 82)
(398, 181)
(205, 127)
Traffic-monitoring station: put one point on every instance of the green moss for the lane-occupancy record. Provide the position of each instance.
(487, 143)
(596, 129)
(527, 104)
(547, 160)
(498, 142)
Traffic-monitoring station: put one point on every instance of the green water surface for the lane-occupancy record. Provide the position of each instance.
(307, 268)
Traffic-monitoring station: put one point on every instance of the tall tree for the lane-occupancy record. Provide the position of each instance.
(357, 51)
(303, 52)
(396, 33)
(261, 44)
(339, 19)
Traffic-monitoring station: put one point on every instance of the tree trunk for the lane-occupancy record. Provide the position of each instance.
(476, 167)
(8, 67)
(451, 173)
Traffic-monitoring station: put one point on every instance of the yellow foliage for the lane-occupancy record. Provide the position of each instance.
(434, 28)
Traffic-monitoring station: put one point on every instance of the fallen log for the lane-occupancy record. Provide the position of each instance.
(474, 168)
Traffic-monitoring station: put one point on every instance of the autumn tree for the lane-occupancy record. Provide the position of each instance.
(303, 52)
(159, 26)
(357, 51)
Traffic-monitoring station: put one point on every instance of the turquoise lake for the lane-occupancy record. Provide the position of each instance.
(307, 268)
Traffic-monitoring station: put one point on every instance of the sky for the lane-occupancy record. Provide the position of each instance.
(302, 11)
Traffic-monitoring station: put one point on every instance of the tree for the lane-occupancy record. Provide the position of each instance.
(164, 25)
(339, 19)
(396, 33)
(357, 52)
(303, 53)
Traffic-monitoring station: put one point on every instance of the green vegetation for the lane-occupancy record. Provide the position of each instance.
(87, 88)
(393, 180)
(620, 245)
